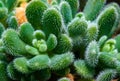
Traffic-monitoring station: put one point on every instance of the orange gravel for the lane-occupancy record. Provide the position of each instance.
(20, 13)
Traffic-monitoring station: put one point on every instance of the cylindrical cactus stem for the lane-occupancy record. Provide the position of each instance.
(52, 22)
(77, 27)
(116, 25)
(107, 20)
(12, 22)
(3, 14)
(83, 69)
(107, 60)
(20, 65)
(11, 4)
(74, 4)
(92, 8)
(12, 72)
(92, 54)
(26, 32)
(92, 32)
(34, 13)
(106, 75)
(62, 61)
(39, 62)
(66, 12)
(12, 43)
(64, 44)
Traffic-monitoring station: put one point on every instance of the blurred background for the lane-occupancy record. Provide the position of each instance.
(108, 1)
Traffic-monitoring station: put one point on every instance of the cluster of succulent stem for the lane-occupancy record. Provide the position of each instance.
(57, 42)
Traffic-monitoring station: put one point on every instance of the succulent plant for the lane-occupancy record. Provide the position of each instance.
(58, 40)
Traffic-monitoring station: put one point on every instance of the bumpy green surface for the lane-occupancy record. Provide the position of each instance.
(65, 8)
(61, 61)
(25, 30)
(11, 4)
(74, 6)
(64, 44)
(106, 75)
(3, 75)
(59, 42)
(12, 22)
(92, 54)
(83, 70)
(52, 22)
(20, 65)
(92, 8)
(77, 27)
(106, 20)
(12, 72)
(34, 12)
(39, 62)
(13, 44)
(51, 42)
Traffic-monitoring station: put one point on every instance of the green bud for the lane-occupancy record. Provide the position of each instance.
(38, 34)
(102, 40)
